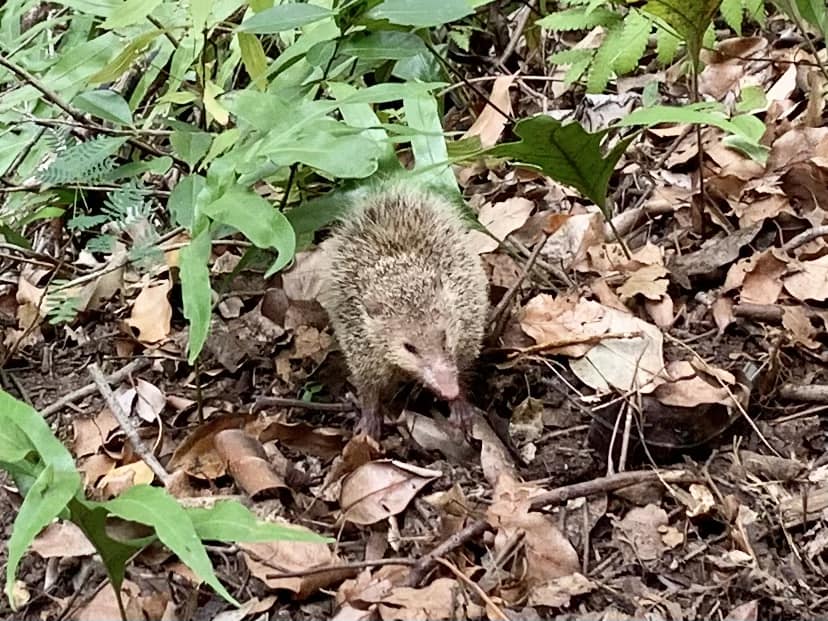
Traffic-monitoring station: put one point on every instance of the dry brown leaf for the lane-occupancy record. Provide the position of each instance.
(61, 539)
(799, 326)
(661, 311)
(380, 489)
(303, 281)
(324, 442)
(489, 125)
(505, 217)
(687, 388)
(266, 560)
(247, 463)
(811, 281)
(569, 244)
(438, 600)
(638, 534)
(196, 454)
(723, 313)
(104, 604)
(648, 281)
(91, 433)
(550, 319)
(433, 435)
(151, 313)
(549, 554)
(120, 479)
(495, 459)
(559, 592)
(759, 276)
(95, 467)
(147, 399)
(749, 611)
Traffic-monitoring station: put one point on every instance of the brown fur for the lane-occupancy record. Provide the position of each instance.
(401, 279)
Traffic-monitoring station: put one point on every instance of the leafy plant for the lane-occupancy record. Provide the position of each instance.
(46, 477)
(627, 34)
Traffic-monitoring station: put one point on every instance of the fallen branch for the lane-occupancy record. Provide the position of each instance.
(282, 402)
(812, 393)
(90, 389)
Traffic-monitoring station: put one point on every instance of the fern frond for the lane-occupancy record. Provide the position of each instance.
(600, 71)
(632, 42)
(126, 204)
(570, 56)
(61, 304)
(579, 19)
(101, 244)
(84, 162)
(85, 222)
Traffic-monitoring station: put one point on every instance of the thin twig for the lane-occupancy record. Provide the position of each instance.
(90, 389)
(490, 604)
(804, 237)
(499, 313)
(283, 402)
(124, 423)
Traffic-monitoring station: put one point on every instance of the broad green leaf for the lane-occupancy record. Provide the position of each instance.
(421, 13)
(383, 45)
(567, 153)
(312, 215)
(101, 8)
(13, 237)
(731, 11)
(689, 18)
(14, 444)
(254, 58)
(701, 113)
(182, 200)
(232, 521)
(116, 67)
(12, 144)
(362, 115)
(199, 12)
(752, 99)
(130, 13)
(91, 517)
(105, 104)
(196, 291)
(214, 109)
(154, 507)
(221, 143)
(190, 146)
(43, 502)
(44, 213)
(815, 12)
(431, 159)
(284, 17)
(261, 222)
(348, 156)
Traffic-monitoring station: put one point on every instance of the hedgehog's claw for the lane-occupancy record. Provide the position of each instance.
(370, 423)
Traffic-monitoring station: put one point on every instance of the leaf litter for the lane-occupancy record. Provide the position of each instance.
(677, 352)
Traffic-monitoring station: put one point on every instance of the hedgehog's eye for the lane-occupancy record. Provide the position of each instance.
(410, 348)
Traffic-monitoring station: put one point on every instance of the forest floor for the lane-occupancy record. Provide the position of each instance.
(694, 486)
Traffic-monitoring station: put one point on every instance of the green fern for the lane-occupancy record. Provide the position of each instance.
(85, 162)
(578, 19)
(60, 304)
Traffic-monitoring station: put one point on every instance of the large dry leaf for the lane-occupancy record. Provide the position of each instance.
(120, 479)
(500, 219)
(146, 398)
(639, 534)
(248, 463)
(438, 600)
(759, 276)
(196, 454)
(686, 387)
(559, 592)
(550, 319)
(489, 125)
(62, 539)
(799, 326)
(91, 433)
(266, 560)
(324, 442)
(380, 489)
(151, 313)
(648, 281)
(811, 281)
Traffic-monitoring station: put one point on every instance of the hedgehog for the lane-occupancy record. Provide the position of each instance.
(407, 297)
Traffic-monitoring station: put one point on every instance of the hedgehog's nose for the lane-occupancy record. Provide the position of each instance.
(443, 380)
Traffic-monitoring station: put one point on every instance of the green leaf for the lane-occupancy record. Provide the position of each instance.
(190, 146)
(116, 67)
(254, 58)
(815, 13)
(196, 291)
(421, 13)
(752, 99)
(104, 104)
(258, 220)
(314, 214)
(284, 17)
(600, 71)
(91, 517)
(130, 13)
(731, 11)
(14, 444)
(689, 18)
(431, 159)
(154, 507)
(182, 200)
(578, 19)
(383, 45)
(667, 45)
(232, 521)
(45, 500)
(156, 165)
(567, 153)
(702, 113)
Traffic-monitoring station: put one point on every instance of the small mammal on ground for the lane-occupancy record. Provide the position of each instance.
(407, 297)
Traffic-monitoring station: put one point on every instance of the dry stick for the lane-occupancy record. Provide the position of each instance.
(600, 485)
(804, 237)
(266, 402)
(814, 393)
(124, 423)
(498, 316)
(520, 26)
(355, 565)
(90, 389)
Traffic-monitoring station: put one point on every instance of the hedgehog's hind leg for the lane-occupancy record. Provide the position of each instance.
(370, 423)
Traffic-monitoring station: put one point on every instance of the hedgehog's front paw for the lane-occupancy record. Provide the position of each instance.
(370, 423)
(462, 415)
